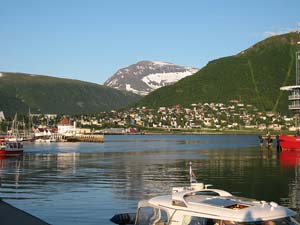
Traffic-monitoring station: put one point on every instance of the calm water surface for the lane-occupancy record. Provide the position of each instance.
(87, 183)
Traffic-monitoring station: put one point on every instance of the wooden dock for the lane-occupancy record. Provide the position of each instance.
(86, 138)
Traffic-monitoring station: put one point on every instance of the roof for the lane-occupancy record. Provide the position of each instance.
(290, 88)
(226, 207)
(65, 122)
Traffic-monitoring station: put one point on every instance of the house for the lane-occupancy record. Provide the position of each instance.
(66, 127)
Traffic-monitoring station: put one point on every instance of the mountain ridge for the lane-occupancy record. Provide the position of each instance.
(46, 94)
(254, 76)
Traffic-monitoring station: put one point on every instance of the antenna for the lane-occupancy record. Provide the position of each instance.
(192, 175)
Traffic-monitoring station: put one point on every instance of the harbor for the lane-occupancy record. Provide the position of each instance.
(50, 180)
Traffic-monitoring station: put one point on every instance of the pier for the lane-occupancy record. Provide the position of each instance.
(86, 138)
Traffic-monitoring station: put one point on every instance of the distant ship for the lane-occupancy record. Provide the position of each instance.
(288, 142)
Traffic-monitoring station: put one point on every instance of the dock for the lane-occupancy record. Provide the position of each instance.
(11, 215)
(86, 138)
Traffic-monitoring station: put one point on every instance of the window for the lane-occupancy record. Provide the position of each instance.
(282, 221)
(163, 220)
(193, 220)
(144, 215)
(152, 216)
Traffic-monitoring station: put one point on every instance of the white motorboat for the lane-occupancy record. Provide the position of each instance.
(198, 204)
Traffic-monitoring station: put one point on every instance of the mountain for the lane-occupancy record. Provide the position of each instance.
(44, 94)
(253, 76)
(145, 76)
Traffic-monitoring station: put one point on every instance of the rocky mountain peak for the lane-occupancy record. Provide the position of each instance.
(145, 76)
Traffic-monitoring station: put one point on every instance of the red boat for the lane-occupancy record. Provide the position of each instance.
(11, 148)
(289, 143)
(292, 143)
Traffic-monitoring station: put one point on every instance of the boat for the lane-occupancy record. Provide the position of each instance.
(289, 142)
(12, 145)
(292, 142)
(11, 148)
(200, 204)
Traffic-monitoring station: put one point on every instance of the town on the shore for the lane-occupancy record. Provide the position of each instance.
(200, 117)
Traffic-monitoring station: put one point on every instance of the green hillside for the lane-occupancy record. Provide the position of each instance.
(253, 76)
(43, 94)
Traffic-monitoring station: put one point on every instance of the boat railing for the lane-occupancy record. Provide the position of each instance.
(294, 107)
(294, 97)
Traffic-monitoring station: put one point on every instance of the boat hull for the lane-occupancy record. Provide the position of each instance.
(4, 152)
(289, 143)
(290, 158)
(10, 148)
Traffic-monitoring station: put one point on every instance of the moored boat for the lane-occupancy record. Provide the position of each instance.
(289, 142)
(292, 143)
(11, 148)
(199, 204)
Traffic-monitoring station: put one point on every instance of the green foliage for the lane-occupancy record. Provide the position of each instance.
(254, 76)
(43, 94)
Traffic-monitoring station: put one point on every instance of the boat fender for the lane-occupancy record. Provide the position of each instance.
(124, 218)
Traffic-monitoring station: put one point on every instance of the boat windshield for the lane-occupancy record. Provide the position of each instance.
(151, 216)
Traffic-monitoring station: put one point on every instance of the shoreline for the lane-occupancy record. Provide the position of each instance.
(204, 132)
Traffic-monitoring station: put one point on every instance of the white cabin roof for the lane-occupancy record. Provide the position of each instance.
(221, 206)
(290, 88)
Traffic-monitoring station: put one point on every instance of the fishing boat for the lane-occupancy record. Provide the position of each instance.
(12, 144)
(288, 142)
(11, 148)
(200, 204)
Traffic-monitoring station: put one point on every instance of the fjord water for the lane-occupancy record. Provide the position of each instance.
(87, 183)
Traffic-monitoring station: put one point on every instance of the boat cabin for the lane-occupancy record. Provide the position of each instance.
(200, 205)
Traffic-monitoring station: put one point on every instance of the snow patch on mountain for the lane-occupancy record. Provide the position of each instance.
(162, 79)
(145, 76)
(129, 88)
(161, 63)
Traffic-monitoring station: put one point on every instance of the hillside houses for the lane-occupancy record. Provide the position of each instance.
(220, 116)
(212, 116)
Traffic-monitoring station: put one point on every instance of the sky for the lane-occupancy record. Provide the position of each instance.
(90, 40)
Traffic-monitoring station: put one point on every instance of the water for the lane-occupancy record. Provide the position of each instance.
(87, 183)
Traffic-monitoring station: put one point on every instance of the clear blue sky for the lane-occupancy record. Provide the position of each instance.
(91, 39)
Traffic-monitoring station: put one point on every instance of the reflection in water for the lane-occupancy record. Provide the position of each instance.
(87, 183)
(291, 160)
